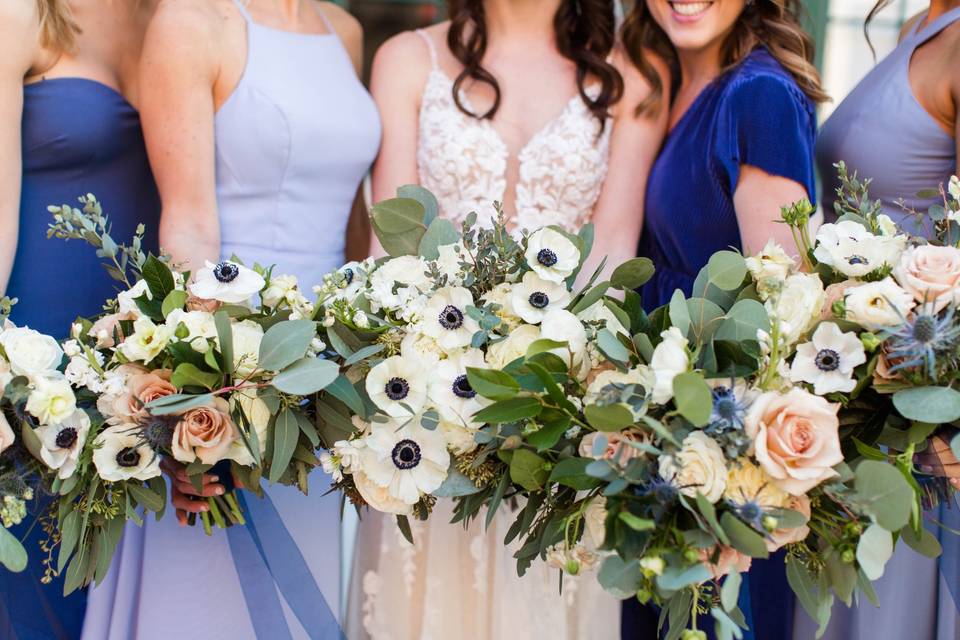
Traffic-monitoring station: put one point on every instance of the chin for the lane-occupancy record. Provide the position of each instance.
(695, 24)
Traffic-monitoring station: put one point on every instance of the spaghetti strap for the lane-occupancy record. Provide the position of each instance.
(430, 47)
(931, 29)
(242, 7)
(326, 21)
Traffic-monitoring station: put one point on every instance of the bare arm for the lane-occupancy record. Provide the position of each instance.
(634, 144)
(19, 31)
(399, 71)
(178, 70)
(757, 201)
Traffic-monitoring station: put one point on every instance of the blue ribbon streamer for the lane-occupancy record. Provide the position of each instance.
(950, 558)
(268, 559)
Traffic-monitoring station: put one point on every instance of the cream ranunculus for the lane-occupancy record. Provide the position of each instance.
(877, 305)
(748, 482)
(405, 459)
(445, 318)
(379, 498)
(247, 336)
(795, 437)
(533, 297)
(460, 439)
(398, 386)
(770, 267)
(450, 391)
(121, 454)
(147, 341)
(62, 444)
(6, 433)
(200, 327)
(205, 433)
(670, 359)
(828, 361)
(854, 251)
(422, 348)
(30, 352)
(227, 282)
(552, 255)
(797, 306)
(698, 467)
(513, 346)
(51, 399)
(931, 274)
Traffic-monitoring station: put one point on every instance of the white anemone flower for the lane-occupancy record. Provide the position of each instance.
(533, 297)
(552, 255)
(828, 361)
(450, 391)
(406, 460)
(398, 386)
(854, 251)
(61, 445)
(121, 454)
(445, 318)
(227, 282)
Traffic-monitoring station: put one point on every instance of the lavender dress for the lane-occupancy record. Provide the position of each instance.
(293, 142)
(882, 132)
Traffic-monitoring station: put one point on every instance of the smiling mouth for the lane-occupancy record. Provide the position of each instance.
(690, 9)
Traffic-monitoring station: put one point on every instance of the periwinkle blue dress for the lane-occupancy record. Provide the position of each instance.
(754, 114)
(883, 132)
(78, 136)
(293, 143)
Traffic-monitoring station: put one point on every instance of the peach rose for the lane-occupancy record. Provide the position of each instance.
(796, 438)
(781, 537)
(931, 274)
(728, 559)
(834, 293)
(141, 388)
(107, 327)
(202, 304)
(882, 374)
(617, 448)
(205, 433)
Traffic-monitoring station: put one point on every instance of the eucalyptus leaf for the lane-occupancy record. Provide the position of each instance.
(455, 485)
(440, 232)
(935, 405)
(693, 398)
(679, 314)
(727, 270)
(730, 591)
(572, 472)
(431, 208)
(187, 374)
(178, 403)
(611, 347)
(884, 493)
(632, 274)
(874, 550)
(620, 577)
(611, 417)
(285, 343)
(286, 433)
(492, 384)
(742, 322)
(306, 376)
(675, 578)
(511, 410)
(12, 554)
(743, 538)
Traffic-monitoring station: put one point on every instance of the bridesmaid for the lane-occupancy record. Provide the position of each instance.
(521, 101)
(899, 127)
(68, 126)
(259, 132)
(739, 145)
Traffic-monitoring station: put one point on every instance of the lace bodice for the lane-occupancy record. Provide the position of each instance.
(463, 160)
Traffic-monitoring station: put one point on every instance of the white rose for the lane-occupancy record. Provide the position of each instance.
(147, 341)
(878, 304)
(30, 352)
(247, 336)
(797, 306)
(422, 348)
(670, 359)
(514, 346)
(698, 467)
(51, 400)
(200, 326)
(279, 288)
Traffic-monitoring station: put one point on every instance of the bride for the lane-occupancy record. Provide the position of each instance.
(531, 103)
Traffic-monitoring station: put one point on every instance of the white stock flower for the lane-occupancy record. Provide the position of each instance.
(51, 400)
(30, 353)
(247, 336)
(80, 372)
(450, 391)
(126, 300)
(227, 282)
(422, 348)
(515, 345)
(61, 445)
(120, 454)
(398, 385)
(406, 460)
(599, 312)
(854, 251)
(552, 255)
(397, 281)
(878, 304)
(828, 361)
(533, 297)
(147, 341)
(445, 318)
(797, 306)
(670, 359)
(449, 263)
(698, 467)
(278, 290)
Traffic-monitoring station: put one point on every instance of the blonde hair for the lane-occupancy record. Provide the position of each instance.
(58, 29)
(774, 24)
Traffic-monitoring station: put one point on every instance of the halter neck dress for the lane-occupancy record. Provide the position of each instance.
(293, 142)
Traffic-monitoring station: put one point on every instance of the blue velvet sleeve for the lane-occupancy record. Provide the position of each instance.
(767, 122)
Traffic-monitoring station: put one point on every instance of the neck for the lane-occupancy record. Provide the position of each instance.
(699, 66)
(289, 10)
(940, 7)
(524, 18)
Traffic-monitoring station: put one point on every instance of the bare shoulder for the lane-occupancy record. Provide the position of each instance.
(19, 32)
(347, 28)
(406, 50)
(185, 21)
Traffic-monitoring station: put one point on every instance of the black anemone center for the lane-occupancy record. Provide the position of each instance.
(348, 275)
(462, 388)
(925, 329)
(855, 259)
(546, 257)
(406, 454)
(827, 360)
(451, 317)
(539, 300)
(128, 457)
(226, 271)
(66, 438)
(396, 388)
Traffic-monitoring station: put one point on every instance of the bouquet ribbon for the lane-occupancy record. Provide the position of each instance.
(268, 560)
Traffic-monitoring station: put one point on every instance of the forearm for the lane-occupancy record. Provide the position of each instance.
(190, 243)
(8, 249)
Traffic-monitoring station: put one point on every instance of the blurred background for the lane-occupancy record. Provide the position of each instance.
(843, 55)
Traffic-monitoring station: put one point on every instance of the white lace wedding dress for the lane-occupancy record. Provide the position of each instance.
(456, 584)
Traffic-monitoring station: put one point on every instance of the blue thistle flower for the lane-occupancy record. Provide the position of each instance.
(919, 340)
(728, 411)
(661, 490)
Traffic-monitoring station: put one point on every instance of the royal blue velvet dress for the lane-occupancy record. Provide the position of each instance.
(754, 114)
(78, 136)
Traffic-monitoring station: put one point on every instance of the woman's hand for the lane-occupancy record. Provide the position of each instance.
(938, 460)
(184, 495)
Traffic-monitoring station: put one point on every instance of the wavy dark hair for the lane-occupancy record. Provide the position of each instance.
(585, 32)
(877, 8)
(774, 24)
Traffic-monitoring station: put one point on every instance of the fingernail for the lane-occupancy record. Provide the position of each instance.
(926, 468)
(219, 491)
(214, 478)
(205, 508)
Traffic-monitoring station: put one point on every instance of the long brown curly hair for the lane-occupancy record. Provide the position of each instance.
(585, 32)
(774, 24)
(58, 30)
